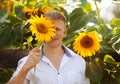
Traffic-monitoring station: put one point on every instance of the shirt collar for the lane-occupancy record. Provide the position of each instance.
(67, 52)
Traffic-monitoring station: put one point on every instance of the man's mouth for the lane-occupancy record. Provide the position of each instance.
(54, 38)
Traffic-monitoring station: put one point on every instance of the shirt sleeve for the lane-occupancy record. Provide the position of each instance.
(85, 80)
(19, 66)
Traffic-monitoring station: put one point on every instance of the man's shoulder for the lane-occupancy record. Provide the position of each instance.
(75, 55)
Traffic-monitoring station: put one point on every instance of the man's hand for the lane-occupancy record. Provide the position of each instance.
(33, 59)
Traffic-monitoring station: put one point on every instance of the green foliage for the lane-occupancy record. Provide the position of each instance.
(88, 7)
(10, 31)
(106, 46)
(102, 72)
(115, 41)
(53, 3)
(78, 19)
(5, 74)
(19, 13)
(112, 71)
(94, 72)
(109, 59)
(84, 2)
(3, 15)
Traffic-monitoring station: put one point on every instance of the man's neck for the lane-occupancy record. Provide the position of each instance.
(54, 55)
(53, 51)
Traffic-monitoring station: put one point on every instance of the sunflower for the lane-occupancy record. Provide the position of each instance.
(27, 11)
(41, 10)
(7, 6)
(87, 44)
(46, 8)
(2, 5)
(42, 28)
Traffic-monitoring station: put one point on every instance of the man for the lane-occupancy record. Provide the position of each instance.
(53, 63)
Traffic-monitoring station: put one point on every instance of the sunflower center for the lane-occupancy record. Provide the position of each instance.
(41, 28)
(86, 42)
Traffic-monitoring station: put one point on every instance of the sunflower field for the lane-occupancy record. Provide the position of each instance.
(98, 42)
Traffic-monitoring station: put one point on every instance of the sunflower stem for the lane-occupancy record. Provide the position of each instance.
(22, 37)
(90, 59)
(34, 78)
(97, 12)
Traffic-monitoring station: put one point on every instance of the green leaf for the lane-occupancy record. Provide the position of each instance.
(103, 27)
(19, 13)
(117, 77)
(98, 0)
(116, 46)
(83, 2)
(78, 19)
(53, 3)
(106, 45)
(106, 48)
(88, 7)
(75, 16)
(77, 12)
(14, 21)
(29, 39)
(115, 22)
(94, 72)
(115, 39)
(3, 15)
(5, 74)
(29, 2)
(116, 30)
(32, 2)
(107, 79)
(1, 1)
(109, 59)
(8, 34)
(24, 2)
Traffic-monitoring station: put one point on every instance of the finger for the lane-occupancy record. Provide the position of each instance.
(36, 49)
(30, 53)
(34, 56)
(37, 54)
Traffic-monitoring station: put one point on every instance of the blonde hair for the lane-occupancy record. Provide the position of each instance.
(54, 14)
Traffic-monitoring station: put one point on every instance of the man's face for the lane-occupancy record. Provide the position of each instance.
(60, 28)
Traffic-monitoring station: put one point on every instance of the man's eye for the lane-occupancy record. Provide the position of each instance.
(57, 29)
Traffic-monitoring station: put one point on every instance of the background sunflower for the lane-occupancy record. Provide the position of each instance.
(87, 43)
(36, 11)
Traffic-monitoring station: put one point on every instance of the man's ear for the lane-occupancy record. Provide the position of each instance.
(65, 33)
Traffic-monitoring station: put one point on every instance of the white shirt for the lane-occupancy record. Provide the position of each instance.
(71, 71)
